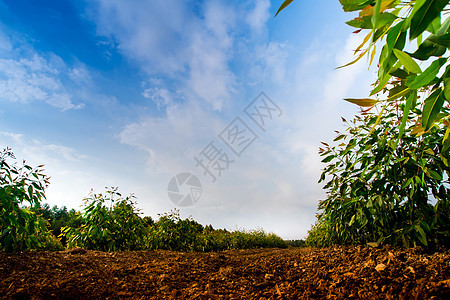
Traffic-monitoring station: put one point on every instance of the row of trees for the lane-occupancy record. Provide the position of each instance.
(108, 221)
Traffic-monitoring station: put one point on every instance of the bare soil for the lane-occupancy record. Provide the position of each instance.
(295, 273)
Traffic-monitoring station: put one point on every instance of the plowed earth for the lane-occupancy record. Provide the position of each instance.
(296, 273)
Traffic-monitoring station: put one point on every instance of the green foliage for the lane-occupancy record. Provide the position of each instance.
(173, 233)
(21, 228)
(296, 243)
(119, 227)
(399, 74)
(56, 218)
(388, 168)
(109, 222)
(256, 239)
(321, 233)
(221, 239)
(381, 188)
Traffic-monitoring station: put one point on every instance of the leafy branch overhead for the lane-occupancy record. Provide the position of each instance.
(403, 24)
(399, 25)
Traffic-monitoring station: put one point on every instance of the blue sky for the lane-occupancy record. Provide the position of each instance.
(127, 93)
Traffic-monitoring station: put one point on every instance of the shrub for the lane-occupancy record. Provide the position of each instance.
(386, 174)
(214, 240)
(382, 183)
(107, 228)
(170, 232)
(21, 228)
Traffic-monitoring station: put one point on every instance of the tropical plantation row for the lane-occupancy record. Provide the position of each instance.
(107, 222)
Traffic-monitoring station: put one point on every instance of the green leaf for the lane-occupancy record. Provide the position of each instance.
(328, 158)
(401, 92)
(425, 226)
(435, 25)
(416, 7)
(407, 61)
(376, 15)
(353, 5)
(364, 102)
(431, 109)
(347, 149)
(395, 37)
(352, 220)
(427, 49)
(366, 21)
(397, 90)
(421, 235)
(447, 83)
(340, 137)
(381, 84)
(379, 33)
(428, 75)
(376, 122)
(399, 73)
(354, 61)
(283, 6)
(387, 59)
(444, 27)
(446, 140)
(406, 110)
(435, 175)
(423, 17)
(442, 40)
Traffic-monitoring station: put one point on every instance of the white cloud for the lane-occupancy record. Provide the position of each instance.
(160, 96)
(210, 50)
(191, 48)
(5, 43)
(16, 137)
(172, 141)
(269, 63)
(38, 151)
(210, 79)
(33, 79)
(258, 17)
(278, 178)
(151, 32)
(80, 75)
(53, 150)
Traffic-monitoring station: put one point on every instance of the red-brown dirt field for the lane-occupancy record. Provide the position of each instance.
(294, 273)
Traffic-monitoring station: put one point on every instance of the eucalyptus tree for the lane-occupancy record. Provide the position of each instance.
(388, 174)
